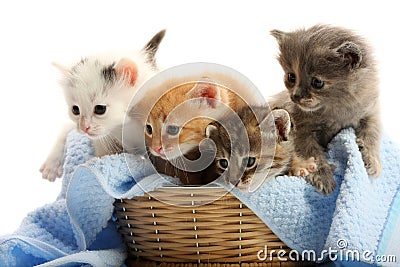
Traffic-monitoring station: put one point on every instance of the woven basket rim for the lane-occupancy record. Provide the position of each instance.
(223, 231)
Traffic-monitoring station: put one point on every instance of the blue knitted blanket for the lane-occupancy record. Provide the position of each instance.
(359, 222)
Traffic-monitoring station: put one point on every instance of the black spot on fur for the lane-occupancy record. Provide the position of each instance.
(109, 73)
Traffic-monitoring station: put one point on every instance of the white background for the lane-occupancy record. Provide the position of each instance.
(35, 33)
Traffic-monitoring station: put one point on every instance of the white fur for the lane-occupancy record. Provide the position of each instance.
(84, 87)
(88, 92)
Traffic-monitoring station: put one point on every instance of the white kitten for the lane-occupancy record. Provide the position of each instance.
(98, 91)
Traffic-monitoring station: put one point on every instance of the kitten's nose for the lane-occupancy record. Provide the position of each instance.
(299, 94)
(85, 128)
(158, 150)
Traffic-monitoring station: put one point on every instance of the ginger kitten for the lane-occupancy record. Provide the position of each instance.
(184, 129)
(178, 117)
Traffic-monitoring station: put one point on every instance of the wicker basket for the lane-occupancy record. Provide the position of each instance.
(203, 227)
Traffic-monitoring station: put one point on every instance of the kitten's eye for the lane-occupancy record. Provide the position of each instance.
(250, 162)
(223, 163)
(172, 129)
(291, 77)
(317, 84)
(100, 109)
(149, 129)
(75, 110)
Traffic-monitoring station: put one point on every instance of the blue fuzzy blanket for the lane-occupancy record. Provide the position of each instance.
(359, 222)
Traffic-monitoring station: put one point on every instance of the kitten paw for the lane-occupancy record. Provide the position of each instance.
(372, 165)
(322, 179)
(360, 143)
(304, 167)
(371, 161)
(51, 169)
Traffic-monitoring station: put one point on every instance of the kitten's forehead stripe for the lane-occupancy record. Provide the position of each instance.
(109, 73)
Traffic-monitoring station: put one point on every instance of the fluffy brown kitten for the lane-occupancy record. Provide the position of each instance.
(332, 83)
(254, 145)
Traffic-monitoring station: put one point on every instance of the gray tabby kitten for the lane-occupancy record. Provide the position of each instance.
(332, 83)
(262, 148)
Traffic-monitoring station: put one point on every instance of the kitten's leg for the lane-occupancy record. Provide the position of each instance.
(53, 166)
(302, 167)
(322, 178)
(368, 139)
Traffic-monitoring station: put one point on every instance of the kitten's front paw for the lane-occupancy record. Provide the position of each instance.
(51, 169)
(372, 164)
(322, 179)
(360, 143)
(304, 167)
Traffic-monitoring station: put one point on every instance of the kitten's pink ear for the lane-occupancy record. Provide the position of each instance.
(282, 124)
(277, 123)
(206, 89)
(127, 69)
(64, 70)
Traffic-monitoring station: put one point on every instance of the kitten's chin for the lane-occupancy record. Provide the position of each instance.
(93, 136)
(164, 154)
(172, 153)
(161, 154)
(308, 108)
(308, 105)
(90, 135)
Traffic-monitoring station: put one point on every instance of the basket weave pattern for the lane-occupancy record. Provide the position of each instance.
(196, 229)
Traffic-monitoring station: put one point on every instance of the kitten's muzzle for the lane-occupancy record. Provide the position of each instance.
(305, 100)
(235, 175)
(158, 151)
(300, 95)
(87, 130)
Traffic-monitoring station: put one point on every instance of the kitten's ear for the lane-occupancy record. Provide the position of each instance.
(279, 35)
(282, 124)
(206, 89)
(350, 52)
(127, 69)
(210, 128)
(152, 46)
(277, 123)
(64, 70)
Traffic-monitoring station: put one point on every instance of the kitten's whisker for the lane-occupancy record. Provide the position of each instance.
(176, 171)
(106, 144)
(111, 144)
(185, 170)
(181, 164)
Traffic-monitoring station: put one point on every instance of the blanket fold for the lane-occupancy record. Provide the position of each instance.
(362, 214)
